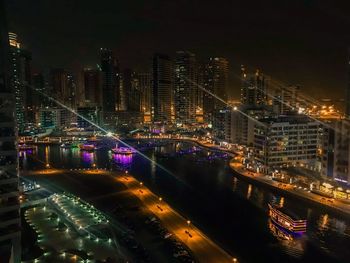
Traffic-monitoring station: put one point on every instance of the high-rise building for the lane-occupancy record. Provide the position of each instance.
(20, 81)
(215, 80)
(92, 86)
(162, 88)
(254, 89)
(131, 89)
(59, 84)
(10, 231)
(146, 95)
(285, 99)
(186, 99)
(111, 90)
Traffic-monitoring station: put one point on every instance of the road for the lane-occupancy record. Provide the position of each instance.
(202, 247)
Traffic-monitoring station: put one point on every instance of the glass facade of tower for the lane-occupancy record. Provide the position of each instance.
(162, 86)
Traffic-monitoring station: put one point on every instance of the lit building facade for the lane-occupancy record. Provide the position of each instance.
(21, 81)
(162, 89)
(146, 95)
(10, 222)
(335, 154)
(186, 99)
(284, 141)
(215, 80)
(286, 99)
(254, 89)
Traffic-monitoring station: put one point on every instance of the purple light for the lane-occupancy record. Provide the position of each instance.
(87, 157)
(123, 159)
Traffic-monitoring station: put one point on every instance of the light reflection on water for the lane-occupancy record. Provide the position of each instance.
(327, 231)
(293, 246)
(123, 159)
(87, 157)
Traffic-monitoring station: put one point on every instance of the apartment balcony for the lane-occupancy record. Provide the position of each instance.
(8, 180)
(10, 232)
(9, 206)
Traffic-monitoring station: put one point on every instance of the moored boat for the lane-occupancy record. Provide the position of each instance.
(123, 150)
(287, 220)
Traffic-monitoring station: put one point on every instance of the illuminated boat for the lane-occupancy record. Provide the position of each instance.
(123, 150)
(286, 220)
(87, 147)
(68, 145)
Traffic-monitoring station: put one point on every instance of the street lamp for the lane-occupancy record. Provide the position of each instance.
(234, 260)
(47, 165)
(141, 183)
(94, 165)
(160, 199)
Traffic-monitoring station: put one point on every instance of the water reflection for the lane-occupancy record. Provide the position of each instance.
(249, 192)
(123, 159)
(293, 246)
(87, 157)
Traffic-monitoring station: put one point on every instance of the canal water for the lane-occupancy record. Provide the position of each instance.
(200, 185)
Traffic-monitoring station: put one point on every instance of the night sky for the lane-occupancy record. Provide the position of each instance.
(297, 42)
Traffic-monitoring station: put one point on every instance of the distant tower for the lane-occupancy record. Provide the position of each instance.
(111, 93)
(20, 80)
(10, 230)
(185, 87)
(162, 88)
(215, 81)
(92, 87)
(254, 89)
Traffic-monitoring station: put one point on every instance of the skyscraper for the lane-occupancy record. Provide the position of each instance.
(132, 90)
(10, 232)
(111, 92)
(20, 79)
(215, 80)
(162, 87)
(185, 87)
(92, 86)
(145, 90)
(63, 86)
(254, 89)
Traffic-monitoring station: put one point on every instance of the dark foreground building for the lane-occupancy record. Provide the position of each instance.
(10, 233)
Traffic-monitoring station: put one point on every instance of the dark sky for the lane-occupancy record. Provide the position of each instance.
(296, 41)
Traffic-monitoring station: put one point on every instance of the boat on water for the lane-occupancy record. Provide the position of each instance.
(87, 147)
(68, 145)
(123, 150)
(287, 220)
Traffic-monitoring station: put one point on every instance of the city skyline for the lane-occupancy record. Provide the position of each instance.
(274, 39)
(140, 132)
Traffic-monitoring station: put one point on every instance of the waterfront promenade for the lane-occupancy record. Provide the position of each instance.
(331, 204)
